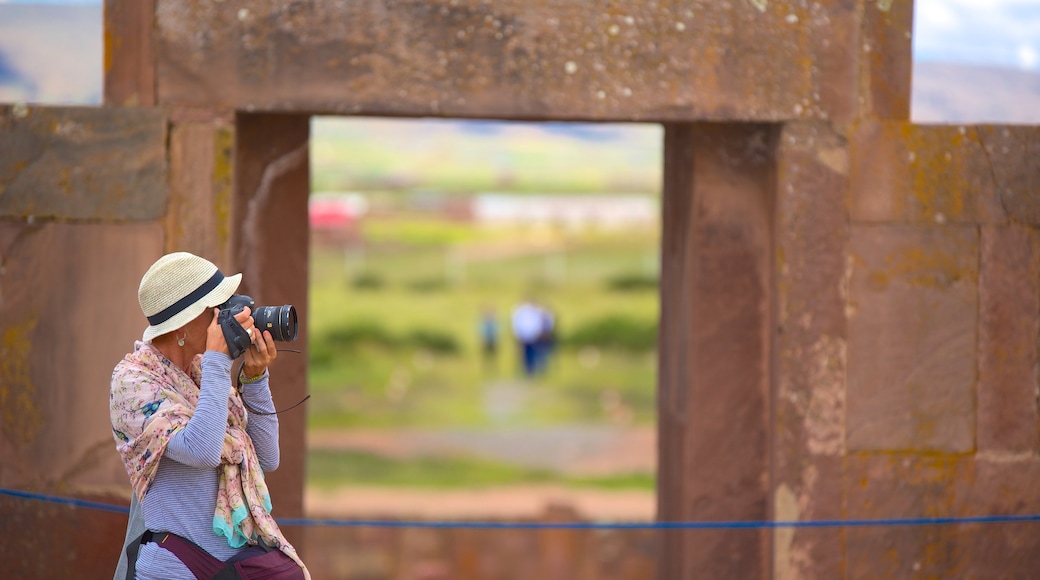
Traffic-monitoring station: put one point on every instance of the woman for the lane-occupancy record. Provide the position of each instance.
(194, 455)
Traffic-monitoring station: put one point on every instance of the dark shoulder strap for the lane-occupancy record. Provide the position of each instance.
(131, 554)
(201, 563)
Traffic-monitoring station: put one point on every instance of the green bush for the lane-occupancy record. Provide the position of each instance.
(368, 333)
(632, 283)
(424, 285)
(615, 332)
(368, 281)
(433, 340)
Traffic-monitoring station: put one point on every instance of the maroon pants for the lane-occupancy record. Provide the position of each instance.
(252, 563)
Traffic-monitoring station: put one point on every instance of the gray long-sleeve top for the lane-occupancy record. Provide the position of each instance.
(183, 496)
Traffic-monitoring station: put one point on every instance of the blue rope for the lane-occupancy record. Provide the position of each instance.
(750, 525)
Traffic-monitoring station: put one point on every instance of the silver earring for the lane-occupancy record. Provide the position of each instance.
(180, 340)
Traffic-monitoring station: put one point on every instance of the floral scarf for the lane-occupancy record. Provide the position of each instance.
(151, 399)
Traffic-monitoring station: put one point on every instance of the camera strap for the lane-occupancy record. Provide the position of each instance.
(238, 386)
(237, 338)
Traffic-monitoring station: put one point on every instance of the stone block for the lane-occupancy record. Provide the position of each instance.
(82, 163)
(1009, 303)
(913, 308)
(1000, 487)
(904, 173)
(895, 486)
(1011, 153)
(570, 59)
(906, 487)
(68, 313)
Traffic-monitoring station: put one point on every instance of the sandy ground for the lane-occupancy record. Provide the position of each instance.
(576, 450)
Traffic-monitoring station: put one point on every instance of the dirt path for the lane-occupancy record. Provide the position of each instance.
(572, 450)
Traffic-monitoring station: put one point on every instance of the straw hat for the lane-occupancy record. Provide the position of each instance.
(177, 288)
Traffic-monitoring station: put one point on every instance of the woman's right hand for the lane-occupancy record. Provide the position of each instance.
(215, 334)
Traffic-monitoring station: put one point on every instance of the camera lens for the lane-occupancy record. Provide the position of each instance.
(280, 320)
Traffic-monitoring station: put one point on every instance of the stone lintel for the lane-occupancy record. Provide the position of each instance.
(516, 59)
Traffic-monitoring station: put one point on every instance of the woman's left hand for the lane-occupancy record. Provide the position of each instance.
(260, 355)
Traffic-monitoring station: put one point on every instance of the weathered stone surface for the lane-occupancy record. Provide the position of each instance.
(270, 247)
(905, 486)
(913, 308)
(68, 313)
(808, 429)
(717, 245)
(1009, 304)
(902, 486)
(129, 53)
(201, 172)
(82, 163)
(1000, 550)
(886, 59)
(905, 173)
(90, 537)
(691, 60)
(1011, 153)
(368, 552)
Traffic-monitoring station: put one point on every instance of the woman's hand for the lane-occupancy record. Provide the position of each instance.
(260, 355)
(215, 334)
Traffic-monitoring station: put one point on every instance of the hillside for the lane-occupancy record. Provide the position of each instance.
(957, 93)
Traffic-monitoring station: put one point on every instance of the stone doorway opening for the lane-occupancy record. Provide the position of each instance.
(425, 231)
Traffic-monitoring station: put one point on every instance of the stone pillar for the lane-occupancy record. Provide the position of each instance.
(716, 315)
(270, 247)
(129, 53)
(808, 423)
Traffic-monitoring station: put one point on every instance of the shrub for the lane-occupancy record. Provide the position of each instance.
(615, 332)
(433, 340)
(632, 283)
(424, 285)
(372, 334)
(368, 281)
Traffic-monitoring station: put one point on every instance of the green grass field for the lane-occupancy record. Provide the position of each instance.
(394, 341)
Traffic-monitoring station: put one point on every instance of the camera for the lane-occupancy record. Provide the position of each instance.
(279, 320)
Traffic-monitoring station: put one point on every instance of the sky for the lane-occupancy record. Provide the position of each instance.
(989, 32)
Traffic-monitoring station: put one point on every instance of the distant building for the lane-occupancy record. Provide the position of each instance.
(334, 210)
(571, 211)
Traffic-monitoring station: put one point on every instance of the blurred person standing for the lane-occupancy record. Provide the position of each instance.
(527, 330)
(488, 331)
